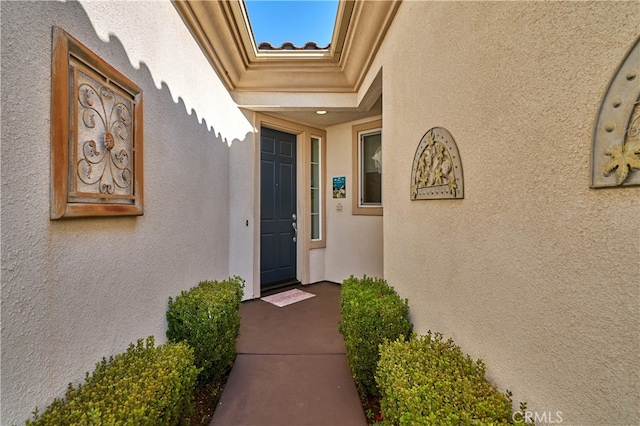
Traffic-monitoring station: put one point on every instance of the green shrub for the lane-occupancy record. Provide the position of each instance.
(206, 318)
(371, 311)
(143, 386)
(429, 381)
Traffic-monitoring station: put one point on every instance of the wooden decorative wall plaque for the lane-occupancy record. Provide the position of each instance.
(437, 170)
(615, 152)
(96, 135)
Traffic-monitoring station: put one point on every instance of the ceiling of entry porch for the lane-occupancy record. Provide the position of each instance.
(295, 83)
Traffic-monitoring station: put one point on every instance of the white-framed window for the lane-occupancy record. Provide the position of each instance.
(316, 188)
(367, 153)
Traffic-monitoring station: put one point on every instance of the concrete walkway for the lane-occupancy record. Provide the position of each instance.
(291, 367)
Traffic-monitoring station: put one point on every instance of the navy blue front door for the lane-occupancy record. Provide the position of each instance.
(277, 207)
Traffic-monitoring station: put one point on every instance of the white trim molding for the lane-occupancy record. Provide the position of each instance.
(222, 30)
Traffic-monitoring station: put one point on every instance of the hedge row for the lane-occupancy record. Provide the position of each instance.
(150, 385)
(146, 385)
(418, 380)
(371, 312)
(429, 381)
(206, 318)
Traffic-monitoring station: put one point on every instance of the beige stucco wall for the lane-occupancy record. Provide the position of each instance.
(354, 242)
(533, 271)
(74, 291)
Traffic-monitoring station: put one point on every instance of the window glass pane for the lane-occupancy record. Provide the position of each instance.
(315, 201)
(315, 150)
(371, 168)
(315, 175)
(315, 226)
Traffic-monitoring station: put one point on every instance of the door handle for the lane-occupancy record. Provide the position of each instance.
(295, 230)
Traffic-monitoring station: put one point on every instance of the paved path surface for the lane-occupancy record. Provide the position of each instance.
(291, 367)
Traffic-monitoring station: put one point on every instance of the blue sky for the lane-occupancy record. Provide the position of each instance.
(296, 21)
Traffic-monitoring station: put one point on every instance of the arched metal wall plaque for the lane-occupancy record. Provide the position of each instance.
(615, 153)
(437, 170)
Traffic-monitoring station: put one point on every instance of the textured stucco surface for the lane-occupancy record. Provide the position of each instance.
(533, 271)
(74, 291)
(354, 243)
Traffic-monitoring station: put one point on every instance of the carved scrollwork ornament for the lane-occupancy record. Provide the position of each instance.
(105, 166)
(437, 169)
(615, 152)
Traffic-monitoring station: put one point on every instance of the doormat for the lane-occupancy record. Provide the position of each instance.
(287, 297)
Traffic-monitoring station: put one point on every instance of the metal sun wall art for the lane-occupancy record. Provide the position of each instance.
(437, 169)
(615, 153)
(96, 135)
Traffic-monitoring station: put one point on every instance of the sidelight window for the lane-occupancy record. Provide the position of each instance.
(316, 189)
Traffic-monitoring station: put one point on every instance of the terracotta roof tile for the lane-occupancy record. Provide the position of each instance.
(265, 45)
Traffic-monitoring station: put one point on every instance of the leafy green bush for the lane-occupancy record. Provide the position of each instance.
(371, 311)
(143, 386)
(206, 318)
(429, 381)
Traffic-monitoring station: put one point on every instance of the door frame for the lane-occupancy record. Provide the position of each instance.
(280, 192)
(303, 198)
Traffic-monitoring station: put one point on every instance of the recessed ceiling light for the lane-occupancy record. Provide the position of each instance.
(321, 112)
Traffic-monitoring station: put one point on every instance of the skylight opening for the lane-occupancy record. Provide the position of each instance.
(292, 24)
